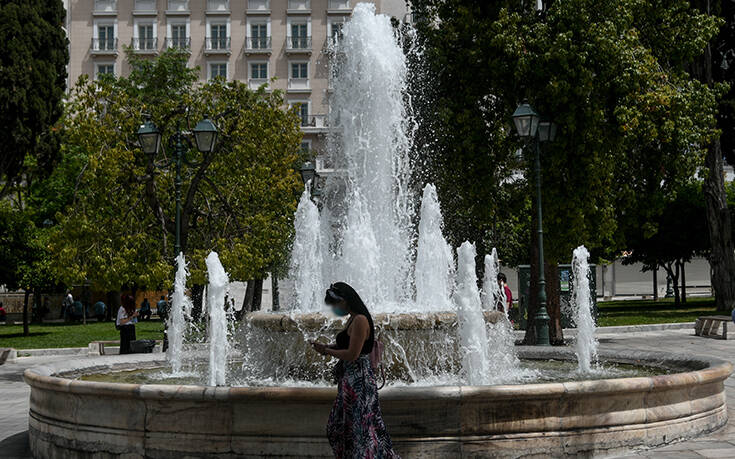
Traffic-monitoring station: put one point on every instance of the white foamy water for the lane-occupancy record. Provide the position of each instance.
(434, 268)
(306, 257)
(178, 316)
(219, 346)
(492, 294)
(586, 344)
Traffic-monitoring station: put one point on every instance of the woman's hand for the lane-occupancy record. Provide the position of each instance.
(319, 347)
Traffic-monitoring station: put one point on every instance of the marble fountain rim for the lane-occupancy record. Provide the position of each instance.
(689, 370)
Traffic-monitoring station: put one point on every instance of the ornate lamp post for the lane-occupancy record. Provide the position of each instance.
(309, 177)
(149, 137)
(530, 127)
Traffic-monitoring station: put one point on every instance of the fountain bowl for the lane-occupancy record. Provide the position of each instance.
(76, 418)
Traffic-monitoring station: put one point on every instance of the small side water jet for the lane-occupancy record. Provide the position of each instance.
(306, 256)
(219, 345)
(492, 294)
(177, 321)
(472, 332)
(586, 344)
(434, 267)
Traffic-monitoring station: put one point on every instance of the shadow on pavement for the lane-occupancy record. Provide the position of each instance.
(15, 447)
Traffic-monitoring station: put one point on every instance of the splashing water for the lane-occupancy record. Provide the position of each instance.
(472, 333)
(219, 345)
(306, 259)
(434, 259)
(586, 345)
(492, 294)
(177, 320)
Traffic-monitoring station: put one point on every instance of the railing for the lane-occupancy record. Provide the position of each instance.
(298, 83)
(339, 4)
(217, 44)
(255, 83)
(218, 5)
(299, 4)
(105, 6)
(178, 5)
(144, 44)
(255, 5)
(299, 43)
(179, 43)
(258, 43)
(104, 45)
(315, 121)
(145, 5)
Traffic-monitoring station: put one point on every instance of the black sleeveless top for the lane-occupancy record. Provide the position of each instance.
(343, 340)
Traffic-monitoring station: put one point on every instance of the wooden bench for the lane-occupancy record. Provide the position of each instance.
(98, 347)
(708, 326)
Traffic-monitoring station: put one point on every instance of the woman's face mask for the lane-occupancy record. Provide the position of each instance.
(339, 310)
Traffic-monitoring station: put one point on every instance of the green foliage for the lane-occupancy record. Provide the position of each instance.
(239, 200)
(33, 59)
(56, 335)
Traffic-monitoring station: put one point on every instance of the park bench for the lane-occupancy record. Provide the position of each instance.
(98, 347)
(708, 326)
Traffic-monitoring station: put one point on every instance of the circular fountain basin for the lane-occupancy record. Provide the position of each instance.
(71, 417)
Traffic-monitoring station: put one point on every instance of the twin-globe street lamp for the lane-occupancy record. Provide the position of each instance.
(530, 127)
(205, 136)
(309, 176)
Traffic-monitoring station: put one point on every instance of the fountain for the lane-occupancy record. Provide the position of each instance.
(177, 321)
(586, 343)
(492, 294)
(457, 385)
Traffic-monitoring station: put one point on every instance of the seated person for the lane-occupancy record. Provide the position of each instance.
(162, 308)
(99, 310)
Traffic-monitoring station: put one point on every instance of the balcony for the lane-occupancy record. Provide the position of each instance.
(178, 7)
(258, 45)
(145, 8)
(298, 44)
(184, 44)
(104, 46)
(255, 83)
(299, 85)
(339, 6)
(144, 45)
(299, 6)
(105, 7)
(218, 7)
(217, 45)
(259, 7)
(313, 124)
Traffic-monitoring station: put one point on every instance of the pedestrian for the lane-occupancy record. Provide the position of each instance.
(3, 314)
(100, 309)
(355, 428)
(145, 310)
(505, 302)
(66, 305)
(127, 317)
(162, 308)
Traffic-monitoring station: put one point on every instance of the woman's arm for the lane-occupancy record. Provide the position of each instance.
(360, 331)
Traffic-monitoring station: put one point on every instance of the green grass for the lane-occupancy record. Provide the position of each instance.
(637, 312)
(55, 335)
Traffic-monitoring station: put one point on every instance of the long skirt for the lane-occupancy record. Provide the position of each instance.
(356, 429)
(127, 335)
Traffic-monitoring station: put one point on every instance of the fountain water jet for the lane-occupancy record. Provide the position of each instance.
(306, 256)
(434, 260)
(492, 294)
(219, 345)
(586, 343)
(177, 321)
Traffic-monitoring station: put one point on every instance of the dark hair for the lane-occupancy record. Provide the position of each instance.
(128, 304)
(162, 297)
(341, 291)
(502, 277)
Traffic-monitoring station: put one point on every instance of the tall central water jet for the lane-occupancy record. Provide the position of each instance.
(219, 346)
(434, 260)
(306, 259)
(180, 311)
(586, 345)
(492, 294)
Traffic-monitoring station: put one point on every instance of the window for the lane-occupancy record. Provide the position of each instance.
(259, 36)
(218, 36)
(259, 70)
(145, 37)
(305, 146)
(105, 69)
(106, 37)
(335, 32)
(258, 4)
(299, 70)
(178, 36)
(299, 4)
(218, 69)
(304, 113)
(299, 39)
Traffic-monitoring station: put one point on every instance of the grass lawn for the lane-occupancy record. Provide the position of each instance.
(54, 335)
(636, 312)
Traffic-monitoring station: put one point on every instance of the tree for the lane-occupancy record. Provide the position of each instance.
(238, 200)
(609, 74)
(33, 62)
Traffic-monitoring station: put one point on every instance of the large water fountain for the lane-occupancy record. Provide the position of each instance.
(457, 385)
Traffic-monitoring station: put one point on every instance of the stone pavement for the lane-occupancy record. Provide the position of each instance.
(721, 444)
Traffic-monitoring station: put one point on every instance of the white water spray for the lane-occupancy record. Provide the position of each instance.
(178, 316)
(218, 325)
(434, 268)
(472, 332)
(492, 294)
(586, 345)
(306, 256)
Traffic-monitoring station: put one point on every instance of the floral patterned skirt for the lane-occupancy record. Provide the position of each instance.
(356, 429)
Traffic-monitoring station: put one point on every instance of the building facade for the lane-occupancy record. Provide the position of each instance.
(252, 41)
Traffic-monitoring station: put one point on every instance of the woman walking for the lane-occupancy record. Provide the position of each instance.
(355, 429)
(127, 316)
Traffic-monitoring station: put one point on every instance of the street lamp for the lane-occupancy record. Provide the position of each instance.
(309, 176)
(149, 137)
(530, 127)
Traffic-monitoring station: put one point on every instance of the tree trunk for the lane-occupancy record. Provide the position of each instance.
(672, 269)
(257, 295)
(25, 312)
(655, 283)
(553, 302)
(274, 288)
(683, 284)
(247, 302)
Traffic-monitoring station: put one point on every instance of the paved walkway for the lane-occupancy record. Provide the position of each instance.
(721, 444)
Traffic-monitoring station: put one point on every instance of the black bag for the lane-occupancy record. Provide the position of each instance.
(142, 346)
